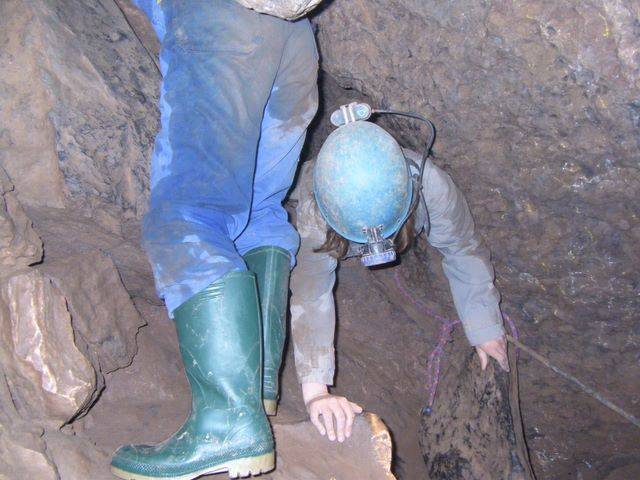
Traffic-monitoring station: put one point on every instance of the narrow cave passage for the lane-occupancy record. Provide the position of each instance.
(537, 111)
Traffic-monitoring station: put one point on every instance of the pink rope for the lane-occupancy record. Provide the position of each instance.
(446, 330)
(512, 326)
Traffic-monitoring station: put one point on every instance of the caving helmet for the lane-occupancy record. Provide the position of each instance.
(363, 187)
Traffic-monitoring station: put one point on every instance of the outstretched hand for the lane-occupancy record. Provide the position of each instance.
(496, 349)
(337, 412)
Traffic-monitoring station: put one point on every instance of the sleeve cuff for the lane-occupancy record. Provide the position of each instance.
(316, 375)
(483, 325)
(478, 337)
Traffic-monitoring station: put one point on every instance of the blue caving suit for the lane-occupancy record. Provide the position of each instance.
(239, 90)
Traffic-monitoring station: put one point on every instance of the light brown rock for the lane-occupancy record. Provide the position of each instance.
(49, 378)
(304, 454)
(77, 458)
(105, 320)
(20, 245)
(27, 139)
(22, 455)
(78, 105)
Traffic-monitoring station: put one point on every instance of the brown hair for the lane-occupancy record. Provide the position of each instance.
(338, 246)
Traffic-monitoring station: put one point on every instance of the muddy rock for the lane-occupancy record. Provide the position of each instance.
(460, 449)
(105, 320)
(367, 454)
(20, 245)
(76, 458)
(78, 101)
(22, 455)
(536, 106)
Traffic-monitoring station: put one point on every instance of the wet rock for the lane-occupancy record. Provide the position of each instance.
(287, 9)
(66, 324)
(105, 320)
(482, 445)
(49, 378)
(78, 105)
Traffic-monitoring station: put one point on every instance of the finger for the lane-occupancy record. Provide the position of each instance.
(505, 364)
(327, 418)
(346, 407)
(504, 361)
(341, 420)
(501, 355)
(483, 359)
(355, 407)
(315, 420)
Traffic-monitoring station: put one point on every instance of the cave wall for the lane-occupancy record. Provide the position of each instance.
(78, 106)
(537, 106)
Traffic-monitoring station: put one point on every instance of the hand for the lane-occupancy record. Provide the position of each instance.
(496, 349)
(320, 402)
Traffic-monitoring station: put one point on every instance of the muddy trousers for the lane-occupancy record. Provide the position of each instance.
(238, 92)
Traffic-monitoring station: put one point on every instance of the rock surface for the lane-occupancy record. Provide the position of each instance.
(367, 454)
(78, 99)
(537, 109)
(49, 378)
(536, 105)
(287, 9)
(20, 246)
(105, 319)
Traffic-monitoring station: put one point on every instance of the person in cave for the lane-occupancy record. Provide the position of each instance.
(442, 215)
(238, 92)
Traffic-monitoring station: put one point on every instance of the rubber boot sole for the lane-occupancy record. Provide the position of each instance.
(238, 468)
(270, 407)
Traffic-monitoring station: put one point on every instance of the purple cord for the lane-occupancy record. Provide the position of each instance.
(446, 329)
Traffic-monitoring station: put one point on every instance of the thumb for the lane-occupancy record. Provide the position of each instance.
(484, 360)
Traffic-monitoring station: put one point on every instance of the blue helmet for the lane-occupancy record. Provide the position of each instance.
(361, 182)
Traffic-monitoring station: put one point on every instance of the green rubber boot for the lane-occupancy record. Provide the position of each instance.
(271, 266)
(227, 431)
